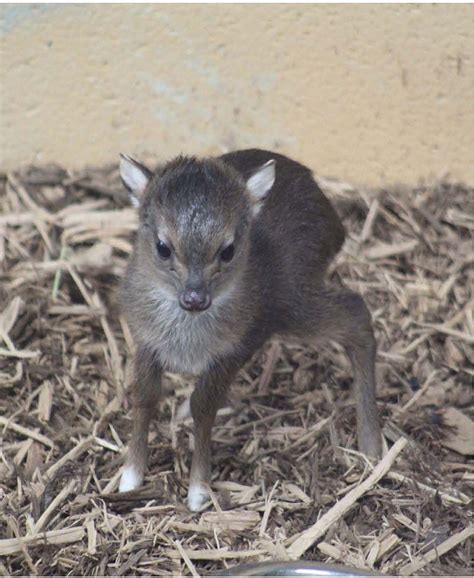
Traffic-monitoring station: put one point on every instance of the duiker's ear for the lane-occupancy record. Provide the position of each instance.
(260, 183)
(135, 177)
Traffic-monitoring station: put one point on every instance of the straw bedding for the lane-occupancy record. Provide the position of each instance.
(288, 481)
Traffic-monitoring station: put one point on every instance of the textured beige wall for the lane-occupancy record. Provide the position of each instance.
(369, 93)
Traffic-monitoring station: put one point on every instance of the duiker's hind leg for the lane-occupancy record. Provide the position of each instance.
(342, 316)
(145, 395)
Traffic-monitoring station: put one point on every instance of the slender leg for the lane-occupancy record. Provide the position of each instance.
(206, 399)
(343, 316)
(362, 356)
(145, 395)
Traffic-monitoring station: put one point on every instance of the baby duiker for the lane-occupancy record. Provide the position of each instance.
(229, 252)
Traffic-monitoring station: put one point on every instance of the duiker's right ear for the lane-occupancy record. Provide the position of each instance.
(135, 177)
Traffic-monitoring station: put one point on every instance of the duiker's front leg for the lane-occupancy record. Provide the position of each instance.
(145, 394)
(343, 316)
(206, 399)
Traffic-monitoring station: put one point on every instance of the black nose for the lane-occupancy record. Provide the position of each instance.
(195, 299)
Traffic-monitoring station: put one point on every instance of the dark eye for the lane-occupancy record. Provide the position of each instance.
(163, 250)
(227, 254)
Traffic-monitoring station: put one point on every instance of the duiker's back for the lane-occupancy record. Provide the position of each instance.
(297, 230)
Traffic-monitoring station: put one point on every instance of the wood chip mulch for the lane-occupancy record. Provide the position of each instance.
(288, 480)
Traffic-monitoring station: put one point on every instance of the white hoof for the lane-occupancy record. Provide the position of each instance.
(130, 480)
(197, 497)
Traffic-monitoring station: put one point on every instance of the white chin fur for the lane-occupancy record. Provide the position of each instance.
(197, 497)
(130, 480)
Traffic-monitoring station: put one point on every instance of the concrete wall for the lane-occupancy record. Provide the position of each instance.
(369, 93)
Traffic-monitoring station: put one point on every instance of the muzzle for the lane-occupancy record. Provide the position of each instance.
(195, 299)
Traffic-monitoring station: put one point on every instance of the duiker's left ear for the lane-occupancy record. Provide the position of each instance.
(135, 177)
(260, 183)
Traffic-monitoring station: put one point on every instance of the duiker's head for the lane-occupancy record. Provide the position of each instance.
(194, 224)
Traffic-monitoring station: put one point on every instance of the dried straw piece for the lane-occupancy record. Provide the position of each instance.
(42, 439)
(380, 547)
(234, 520)
(187, 560)
(63, 494)
(459, 498)
(91, 538)
(309, 536)
(45, 401)
(370, 220)
(23, 354)
(62, 536)
(382, 250)
(436, 552)
(462, 441)
(71, 455)
(220, 554)
(8, 318)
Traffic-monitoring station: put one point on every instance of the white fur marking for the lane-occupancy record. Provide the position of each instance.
(197, 497)
(130, 480)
